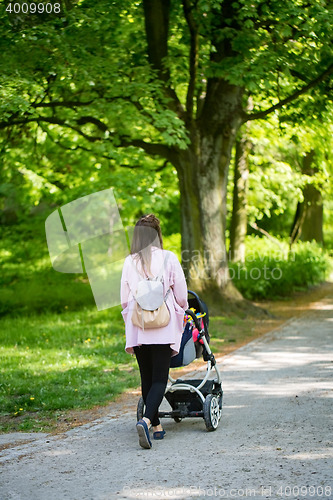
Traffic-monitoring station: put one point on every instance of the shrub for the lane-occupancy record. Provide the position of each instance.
(268, 274)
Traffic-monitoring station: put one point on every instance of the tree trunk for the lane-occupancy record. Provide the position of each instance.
(203, 167)
(203, 173)
(312, 227)
(308, 222)
(203, 244)
(238, 228)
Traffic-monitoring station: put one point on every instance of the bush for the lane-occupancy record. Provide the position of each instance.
(272, 272)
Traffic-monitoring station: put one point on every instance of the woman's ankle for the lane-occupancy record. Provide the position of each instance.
(147, 421)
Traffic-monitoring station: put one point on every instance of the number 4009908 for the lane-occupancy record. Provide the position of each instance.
(33, 8)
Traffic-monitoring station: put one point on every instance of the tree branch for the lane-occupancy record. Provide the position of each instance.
(71, 104)
(153, 149)
(292, 97)
(55, 104)
(83, 120)
(255, 226)
(63, 123)
(52, 120)
(156, 14)
(91, 151)
(194, 51)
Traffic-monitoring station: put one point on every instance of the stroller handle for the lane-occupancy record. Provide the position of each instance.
(195, 319)
(194, 294)
(203, 309)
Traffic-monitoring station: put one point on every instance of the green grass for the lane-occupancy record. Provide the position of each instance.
(57, 351)
(225, 330)
(51, 363)
(28, 282)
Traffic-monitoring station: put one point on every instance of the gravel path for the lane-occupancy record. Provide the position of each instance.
(274, 439)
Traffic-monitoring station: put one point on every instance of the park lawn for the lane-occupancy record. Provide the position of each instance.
(54, 362)
(51, 363)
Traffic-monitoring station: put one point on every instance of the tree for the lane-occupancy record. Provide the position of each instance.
(315, 164)
(173, 81)
(238, 226)
(308, 222)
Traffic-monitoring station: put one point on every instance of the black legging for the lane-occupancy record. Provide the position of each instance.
(154, 364)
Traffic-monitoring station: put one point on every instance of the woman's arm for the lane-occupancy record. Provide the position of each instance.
(124, 286)
(179, 284)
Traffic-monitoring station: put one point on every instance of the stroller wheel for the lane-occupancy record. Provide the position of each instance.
(212, 412)
(140, 409)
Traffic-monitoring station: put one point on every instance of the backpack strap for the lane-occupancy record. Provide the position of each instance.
(166, 295)
(159, 276)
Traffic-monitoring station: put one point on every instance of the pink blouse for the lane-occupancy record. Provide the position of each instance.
(166, 263)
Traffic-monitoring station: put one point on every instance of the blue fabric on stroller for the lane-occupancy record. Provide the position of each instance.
(187, 352)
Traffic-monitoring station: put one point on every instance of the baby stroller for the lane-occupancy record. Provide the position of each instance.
(196, 397)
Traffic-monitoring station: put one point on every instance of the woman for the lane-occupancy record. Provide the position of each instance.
(153, 347)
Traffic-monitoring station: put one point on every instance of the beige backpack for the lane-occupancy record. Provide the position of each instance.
(150, 309)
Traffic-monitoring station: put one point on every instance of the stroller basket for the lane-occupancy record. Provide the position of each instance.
(191, 401)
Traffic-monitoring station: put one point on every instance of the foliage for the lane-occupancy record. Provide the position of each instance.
(173, 243)
(270, 271)
(77, 92)
(95, 98)
(274, 185)
(276, 173)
